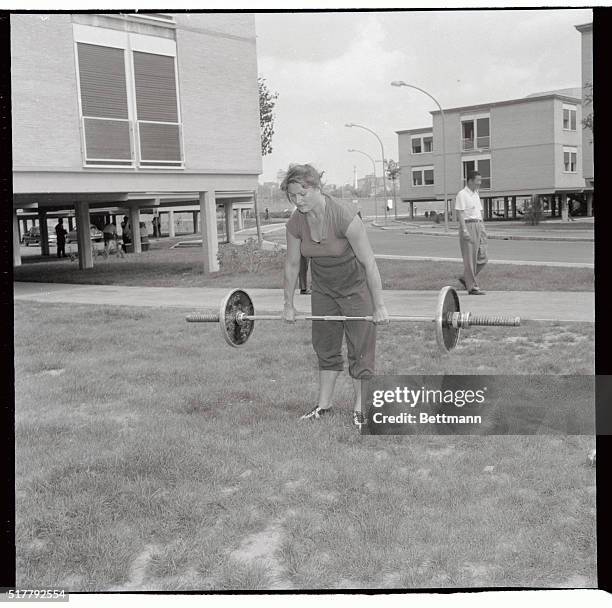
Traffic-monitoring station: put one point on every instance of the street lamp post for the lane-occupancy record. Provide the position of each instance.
(382, 150)
(401, 83)
(373, 169)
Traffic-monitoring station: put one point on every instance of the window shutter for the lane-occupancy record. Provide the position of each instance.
(102, 78)
(104, 104)
(155, 87)
(157, 109)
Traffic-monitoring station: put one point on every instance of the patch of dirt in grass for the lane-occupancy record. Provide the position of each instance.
(260, 548)
(294, 485)
(439, 452)
(138, 570)
(480, 575)
(576, 581)
(51, 372)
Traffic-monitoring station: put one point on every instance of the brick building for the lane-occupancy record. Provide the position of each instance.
(134, 112)
(522, 147)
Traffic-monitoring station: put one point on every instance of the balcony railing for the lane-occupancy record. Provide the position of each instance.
(481, 143)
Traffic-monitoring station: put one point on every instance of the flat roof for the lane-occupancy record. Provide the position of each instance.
(584, 27)
(419, 130)
(509, 102)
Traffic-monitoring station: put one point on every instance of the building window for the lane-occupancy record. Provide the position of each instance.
(569, 160)
(422, 143)
(104, 105)
(422, 176)
(569, 117)
(129, 100)
(475, 134)
(483, 166)
(156, 110)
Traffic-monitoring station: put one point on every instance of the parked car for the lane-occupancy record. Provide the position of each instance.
(32, 237)
(96, 234)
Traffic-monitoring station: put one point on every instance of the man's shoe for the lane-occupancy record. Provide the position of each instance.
(462, 281)
(359, 419)
(315, 413)
(305, 292)
(476, 292)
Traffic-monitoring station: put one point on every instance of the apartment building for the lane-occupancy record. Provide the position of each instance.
(134, 112)
(522, 148)
(586, 32)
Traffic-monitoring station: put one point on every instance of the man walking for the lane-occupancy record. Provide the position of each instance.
(472, 235)
(60, 233)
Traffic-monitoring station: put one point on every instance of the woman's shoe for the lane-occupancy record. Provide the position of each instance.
(359, 419)
(315, 413)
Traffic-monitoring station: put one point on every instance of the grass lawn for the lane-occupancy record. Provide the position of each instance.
(164, 267)
(152, 456)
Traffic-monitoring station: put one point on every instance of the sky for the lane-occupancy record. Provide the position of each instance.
(330, 69)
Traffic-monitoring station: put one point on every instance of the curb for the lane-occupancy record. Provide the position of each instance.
(501, 236)
(418, 258)
(510, 237)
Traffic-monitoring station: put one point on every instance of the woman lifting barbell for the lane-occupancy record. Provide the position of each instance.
(345, 281)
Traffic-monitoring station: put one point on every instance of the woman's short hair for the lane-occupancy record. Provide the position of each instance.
(472, 175)
(306, 175)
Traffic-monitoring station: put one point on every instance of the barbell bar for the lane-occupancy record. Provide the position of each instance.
(236, 318)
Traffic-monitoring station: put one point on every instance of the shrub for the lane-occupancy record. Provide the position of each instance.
(249, 257)
(533, 211)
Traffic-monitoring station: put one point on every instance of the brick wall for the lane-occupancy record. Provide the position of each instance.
(217, 67)
(44, 93)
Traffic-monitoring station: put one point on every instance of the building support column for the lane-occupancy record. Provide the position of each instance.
(83, 236)
(70, 224)
(44, 232)
(589, 204)
(411, 210)
(513, 203)
(135, 223)
(229, 222)
(564, 208)
(171, 231)
(506, 207)
(16, 240)
(208, 220)
(239, 218)
(24, 223)
(196, 228)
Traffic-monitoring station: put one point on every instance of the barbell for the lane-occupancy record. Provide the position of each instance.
(236, 318)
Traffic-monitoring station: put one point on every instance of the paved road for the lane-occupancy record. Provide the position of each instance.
(560, 306)
(395, 242)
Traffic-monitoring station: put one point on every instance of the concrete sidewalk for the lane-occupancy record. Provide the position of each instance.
(540, 305)
(516, 234)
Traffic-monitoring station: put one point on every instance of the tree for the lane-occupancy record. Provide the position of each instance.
(588, 122)
(392, 172)
(267, 101)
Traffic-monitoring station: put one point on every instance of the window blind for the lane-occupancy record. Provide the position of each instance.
(104, 104)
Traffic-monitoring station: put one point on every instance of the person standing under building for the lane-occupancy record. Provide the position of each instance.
(126, 232)
(60, 233)
(472, 235)
(110, 234)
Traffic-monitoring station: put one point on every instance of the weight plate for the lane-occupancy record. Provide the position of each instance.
(236, 334)
(446, 334)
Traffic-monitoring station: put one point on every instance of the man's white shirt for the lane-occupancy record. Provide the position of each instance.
(468, 201)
